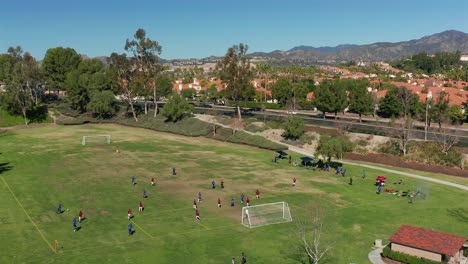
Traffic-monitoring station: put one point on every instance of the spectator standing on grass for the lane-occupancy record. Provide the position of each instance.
(222, 184)
(174, 171)
(243, 258)
(350, 180)
(363, 174)
(379, 189)
(343, 172)
(337, 170)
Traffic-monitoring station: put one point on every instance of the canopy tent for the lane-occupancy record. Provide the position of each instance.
(307, 159)
(381, 178)
(282, 153)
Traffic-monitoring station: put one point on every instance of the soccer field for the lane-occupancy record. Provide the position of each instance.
(49, 165)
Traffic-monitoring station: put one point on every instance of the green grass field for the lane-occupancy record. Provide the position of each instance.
(48, 165)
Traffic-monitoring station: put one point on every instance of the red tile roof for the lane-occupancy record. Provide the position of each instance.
(425, 239)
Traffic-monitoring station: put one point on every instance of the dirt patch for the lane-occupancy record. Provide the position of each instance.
(372, 141)
(395, 161)
(104, 212)
(272, 134)
(357, 227)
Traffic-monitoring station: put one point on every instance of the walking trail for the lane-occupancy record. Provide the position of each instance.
(354, 163)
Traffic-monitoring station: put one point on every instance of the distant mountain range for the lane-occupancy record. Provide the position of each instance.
(448, 41)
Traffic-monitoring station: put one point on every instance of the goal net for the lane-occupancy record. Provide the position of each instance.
(266, 214)
(96, 139)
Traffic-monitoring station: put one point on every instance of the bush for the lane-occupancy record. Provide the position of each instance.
(254, 128)
(405, 258)
(362, 143)
(390, 147)
(176, 108)
(186, 127)
(293, 128)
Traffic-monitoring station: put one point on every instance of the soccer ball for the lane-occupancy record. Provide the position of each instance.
(68, 209)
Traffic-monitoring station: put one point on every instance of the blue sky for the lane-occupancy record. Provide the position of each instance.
(199, 28)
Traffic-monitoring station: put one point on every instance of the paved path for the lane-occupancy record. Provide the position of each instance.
(374, 256)
(459, 186)
(354, 163)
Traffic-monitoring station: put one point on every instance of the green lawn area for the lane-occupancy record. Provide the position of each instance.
(7, 120)
(48, 165)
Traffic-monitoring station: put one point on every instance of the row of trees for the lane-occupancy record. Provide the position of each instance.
(445, 63)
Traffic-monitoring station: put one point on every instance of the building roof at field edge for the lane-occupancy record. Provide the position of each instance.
(425, 239)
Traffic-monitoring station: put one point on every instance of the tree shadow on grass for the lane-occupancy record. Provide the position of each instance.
(5, 166)
(459, 213)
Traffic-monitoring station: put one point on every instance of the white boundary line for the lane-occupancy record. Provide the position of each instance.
(29, 217)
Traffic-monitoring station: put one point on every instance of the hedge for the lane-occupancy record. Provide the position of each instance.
(187, 127)
(405, 258)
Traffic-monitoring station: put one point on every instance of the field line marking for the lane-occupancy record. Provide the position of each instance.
(198, 221)
(29, 217)
(144, 231)
(156, 237)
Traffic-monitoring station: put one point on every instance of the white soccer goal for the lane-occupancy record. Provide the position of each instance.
(266, 214)
(96, 139)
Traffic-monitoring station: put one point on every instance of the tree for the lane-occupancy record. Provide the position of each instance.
(234, 71)
(398, 102)
(360, 101)
(331, 97)
(282, 91)
(329, 147)
(445, 140)
(24, 79)
(264, 71)
(124, 75)
(57, 63)
(309, 230)
(102, 103)
(324, 98)
(188, 93)
(294, 128)
(456, 115)
(439, 108)
(89, 77)
(176, 107)
(146, 61)
(164, 84)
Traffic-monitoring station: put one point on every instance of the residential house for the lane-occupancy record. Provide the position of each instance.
(429, 244)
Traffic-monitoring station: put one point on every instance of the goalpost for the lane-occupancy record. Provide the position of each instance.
(266, 214)
(98, 139)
